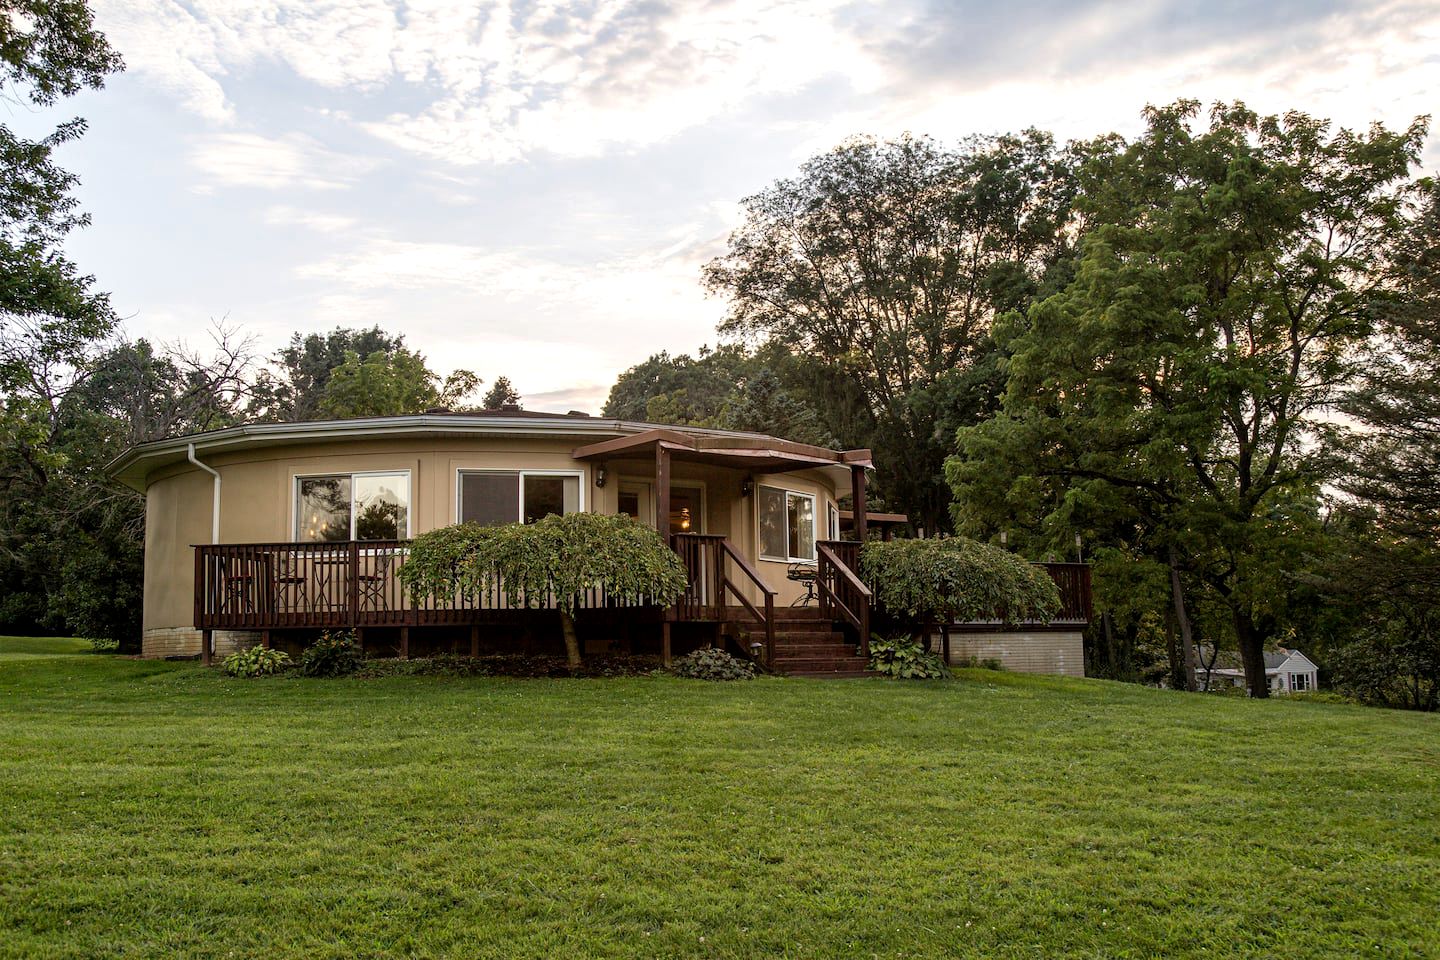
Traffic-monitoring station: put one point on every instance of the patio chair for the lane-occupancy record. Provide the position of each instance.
(292, 584)
(373, 582)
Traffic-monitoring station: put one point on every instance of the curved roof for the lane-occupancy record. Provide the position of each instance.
(136, 464)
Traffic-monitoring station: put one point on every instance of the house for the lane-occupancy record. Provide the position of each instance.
(1286, 671)
(269, 532)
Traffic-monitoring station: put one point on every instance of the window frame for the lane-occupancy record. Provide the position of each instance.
(520, 474)
(295, 479)
(832, 520)
(814, 499)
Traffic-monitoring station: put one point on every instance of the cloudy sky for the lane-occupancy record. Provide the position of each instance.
(530, 188)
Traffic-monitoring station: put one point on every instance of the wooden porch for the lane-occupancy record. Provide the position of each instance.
(285, 586)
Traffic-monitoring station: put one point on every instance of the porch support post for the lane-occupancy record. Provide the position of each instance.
(662, 494)
(857, 491)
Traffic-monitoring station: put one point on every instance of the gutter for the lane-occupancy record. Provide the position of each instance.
(215, 507)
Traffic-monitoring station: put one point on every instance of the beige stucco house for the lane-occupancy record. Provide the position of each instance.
(256, 532)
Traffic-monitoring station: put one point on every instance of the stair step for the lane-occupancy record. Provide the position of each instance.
(814, 649)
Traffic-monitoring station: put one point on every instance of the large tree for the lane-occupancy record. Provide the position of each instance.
(879, 269)
(1192, 367)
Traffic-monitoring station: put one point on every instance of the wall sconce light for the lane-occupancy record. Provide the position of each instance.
(600, 475)
(747, 486)
(1079, 553)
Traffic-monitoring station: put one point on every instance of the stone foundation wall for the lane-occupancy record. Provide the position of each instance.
(185, 642)
(1057, 652)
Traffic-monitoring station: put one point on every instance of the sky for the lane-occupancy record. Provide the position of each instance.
(531, 188)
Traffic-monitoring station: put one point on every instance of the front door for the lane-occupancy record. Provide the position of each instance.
(686, 505)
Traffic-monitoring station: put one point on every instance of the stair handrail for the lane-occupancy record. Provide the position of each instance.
(833, 567)
(768, 619)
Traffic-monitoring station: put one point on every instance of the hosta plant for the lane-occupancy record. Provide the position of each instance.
(712, 664)
(906, 660)
(257, 662)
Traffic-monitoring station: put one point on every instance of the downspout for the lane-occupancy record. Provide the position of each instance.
(215, 507)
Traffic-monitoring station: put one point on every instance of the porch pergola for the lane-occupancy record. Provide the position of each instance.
(757, 455)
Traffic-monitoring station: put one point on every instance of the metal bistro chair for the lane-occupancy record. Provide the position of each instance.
(803, 573)
(237, 586)
(292, 583)
(375, 581)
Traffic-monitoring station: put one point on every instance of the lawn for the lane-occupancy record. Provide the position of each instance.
(159, 809)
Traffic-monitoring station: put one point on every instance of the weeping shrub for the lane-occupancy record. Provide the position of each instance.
(926, 581)
(559, 556)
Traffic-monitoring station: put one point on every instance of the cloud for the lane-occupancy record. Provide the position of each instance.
(285, 216)
(271, 163)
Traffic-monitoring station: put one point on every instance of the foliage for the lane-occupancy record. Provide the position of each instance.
(879, 269)
(104, 644)
(556, 559)
(257, 661)
(500, 394)
(906, 660)
(956, 579)
(390, 383)
(1184, 378)
(334, 654)
(712, 663)
(508, 665)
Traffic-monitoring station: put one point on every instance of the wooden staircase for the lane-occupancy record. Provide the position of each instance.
(810, 644)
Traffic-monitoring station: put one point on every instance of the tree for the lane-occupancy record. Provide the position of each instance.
(559, 557)
(1219, 307)
(681, 390)
(295, 388)
(879, 270)
(390, 383)
(500, 394)
(955, 578)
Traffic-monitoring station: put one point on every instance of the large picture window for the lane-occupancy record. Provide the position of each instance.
(787, 525)
(352, 506)
(493, 497)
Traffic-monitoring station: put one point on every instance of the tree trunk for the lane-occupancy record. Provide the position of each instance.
(1177, 680)
(1107, 626)
(1182, 619)
(572, 643)
(1252, 653)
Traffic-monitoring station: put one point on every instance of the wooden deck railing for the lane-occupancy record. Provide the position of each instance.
(709, 559)
(843, 595)
(268, 586)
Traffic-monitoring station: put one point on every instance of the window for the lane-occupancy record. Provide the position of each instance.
(352, 506)
(1299, 682)
(490, 497)
(787, 525)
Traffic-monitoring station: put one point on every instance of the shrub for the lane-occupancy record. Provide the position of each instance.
(257, 662)
(983, 663)
(713, 664)
(559, 557)
(333, 655)
(907, 660)
(957, 579)
(104, 644)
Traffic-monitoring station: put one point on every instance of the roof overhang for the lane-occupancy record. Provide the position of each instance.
(754, 452)
(135, 465)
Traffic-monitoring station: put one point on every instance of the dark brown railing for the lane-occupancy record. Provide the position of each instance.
(1073, 579)
(843, 595)
(708, 558)
(267, 586)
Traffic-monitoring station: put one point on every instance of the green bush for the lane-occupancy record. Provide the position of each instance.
(957, 579)
(712, 664)
(1322, 696)
(906, 660)
(333, 655)
(104, 644)
(983, 663)
(257, 662)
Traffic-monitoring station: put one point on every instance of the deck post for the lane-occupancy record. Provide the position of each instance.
(857, 493)
(265, 639)
(665, 642)
(405, 642)
(662, 491)
(474, 640)
(205, 646)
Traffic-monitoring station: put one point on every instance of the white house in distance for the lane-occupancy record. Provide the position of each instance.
(1287, 671)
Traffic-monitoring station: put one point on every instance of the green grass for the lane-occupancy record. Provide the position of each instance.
(157, 809)
(24, 648)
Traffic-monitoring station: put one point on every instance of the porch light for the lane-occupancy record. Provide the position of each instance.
(600, 475)
(684, 518)
(747, 486)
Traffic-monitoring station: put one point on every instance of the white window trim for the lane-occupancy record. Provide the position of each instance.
(519, 487)
(814, 510)
(295, 479)
(832, 520)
